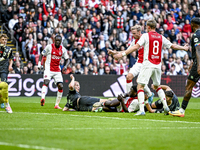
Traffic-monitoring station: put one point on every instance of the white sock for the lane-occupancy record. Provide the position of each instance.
(43, 93)
(59, 96)
(141, 99)
(128, 85)
(7, 104)
(162, 97)
(147, 90)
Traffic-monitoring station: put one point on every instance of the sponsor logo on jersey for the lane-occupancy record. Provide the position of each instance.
(155, 57)
(195, 39)
(55, 57)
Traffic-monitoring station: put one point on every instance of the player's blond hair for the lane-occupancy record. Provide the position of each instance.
(151, 23)
(136, 27)
(3, 35)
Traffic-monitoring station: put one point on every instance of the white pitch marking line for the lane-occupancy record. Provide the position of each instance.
(29, 146)
(131, 128)
(117, 118)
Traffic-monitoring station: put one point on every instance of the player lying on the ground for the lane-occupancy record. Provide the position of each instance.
(127, 102)
(172, 102)
(4, 96)
(76, 101)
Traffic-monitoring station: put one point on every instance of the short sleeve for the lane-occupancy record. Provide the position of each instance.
(65, 55)
(196, 38)
(141, 41)
(133, 106)
(166, 42)
(46, 50)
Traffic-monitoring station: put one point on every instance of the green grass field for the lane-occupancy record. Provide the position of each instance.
(34, 127)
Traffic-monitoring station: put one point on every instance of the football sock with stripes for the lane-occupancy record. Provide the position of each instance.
(162, 97)
(59, 96)
(147, 90)
(141, 99)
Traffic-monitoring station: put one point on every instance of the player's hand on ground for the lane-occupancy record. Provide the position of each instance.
(120, 97)
(71, 76)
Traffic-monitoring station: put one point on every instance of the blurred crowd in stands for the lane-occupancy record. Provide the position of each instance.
(90, 27)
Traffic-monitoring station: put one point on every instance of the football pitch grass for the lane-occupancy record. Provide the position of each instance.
(34, 127)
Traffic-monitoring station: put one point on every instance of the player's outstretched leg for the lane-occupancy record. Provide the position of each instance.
(188, 91)
(162, 97)
(59, 96)
(4, 96)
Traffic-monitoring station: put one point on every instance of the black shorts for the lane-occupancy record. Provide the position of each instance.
(194, 76)
(86, 103)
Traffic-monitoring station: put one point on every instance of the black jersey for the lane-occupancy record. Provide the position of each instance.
(195, 41)
(174, 105)
(7, 54)
(72, 97)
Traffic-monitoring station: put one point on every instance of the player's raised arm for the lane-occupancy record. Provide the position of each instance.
(178, 47)
(128, 51)
(71, 85)
(120, 98)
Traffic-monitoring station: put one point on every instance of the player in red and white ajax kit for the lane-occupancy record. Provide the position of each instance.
(54, 53)
(153, 44)
(135, 70)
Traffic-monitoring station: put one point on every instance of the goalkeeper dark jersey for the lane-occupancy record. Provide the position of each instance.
(5, 63)
(174, 105)
(72, 97)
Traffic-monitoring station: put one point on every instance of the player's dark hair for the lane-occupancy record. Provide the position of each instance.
(134, 88)
(196, 20)
(169, 93)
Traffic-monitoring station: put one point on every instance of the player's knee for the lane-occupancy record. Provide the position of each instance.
(129, 76)
(46, 82)
(155, 87)
(60, 86)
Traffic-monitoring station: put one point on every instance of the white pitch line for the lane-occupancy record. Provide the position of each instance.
(117, 118)
(131, 128)
(29, 146)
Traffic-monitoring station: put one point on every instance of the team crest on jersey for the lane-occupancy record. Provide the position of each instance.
(195, 39)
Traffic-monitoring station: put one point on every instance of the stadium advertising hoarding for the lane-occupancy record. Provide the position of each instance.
(104, 85)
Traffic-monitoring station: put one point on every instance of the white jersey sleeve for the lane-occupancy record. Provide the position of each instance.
(46, 50)
(132, 44)
(65, 55)
(166, 42)
(142, 39)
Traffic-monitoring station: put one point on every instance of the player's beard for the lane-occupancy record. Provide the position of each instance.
(57, 46)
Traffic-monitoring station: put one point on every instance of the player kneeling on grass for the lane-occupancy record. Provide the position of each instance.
(76, 102)
(172, 102)
(4, 96)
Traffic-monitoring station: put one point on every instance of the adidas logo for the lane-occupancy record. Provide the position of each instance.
(116, 88)
(196, 90)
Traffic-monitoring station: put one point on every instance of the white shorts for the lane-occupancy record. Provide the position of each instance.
(57, 76)
(135, 70)
(147, 73)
